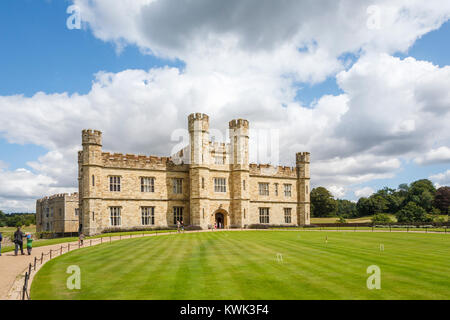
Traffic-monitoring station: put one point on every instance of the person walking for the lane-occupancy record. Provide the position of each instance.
(18, 241)
(81, 239)
(178, 226)
(29, 243)
(1, 239)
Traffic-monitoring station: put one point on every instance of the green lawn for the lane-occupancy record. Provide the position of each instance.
(243, 265)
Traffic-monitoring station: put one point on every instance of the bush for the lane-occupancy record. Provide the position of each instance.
(341, 220)
(381, 218)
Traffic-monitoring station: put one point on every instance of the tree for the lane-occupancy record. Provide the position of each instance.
(381, 218)
(346, 208)
(322, 203)
(422, 193)
(412, 213)
(442, 200)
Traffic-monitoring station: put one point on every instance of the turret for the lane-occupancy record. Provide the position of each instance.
(92, 146)
(199, 138)
(303, 187)
(239, 137)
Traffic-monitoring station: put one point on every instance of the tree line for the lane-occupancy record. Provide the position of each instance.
(17, 219)
(418, 202)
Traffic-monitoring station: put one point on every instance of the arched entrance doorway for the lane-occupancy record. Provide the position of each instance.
(220, 219)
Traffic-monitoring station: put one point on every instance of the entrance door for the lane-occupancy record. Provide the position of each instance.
(220, 220)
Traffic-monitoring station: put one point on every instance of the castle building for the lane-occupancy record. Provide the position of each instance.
(203, 185)
(58, 213)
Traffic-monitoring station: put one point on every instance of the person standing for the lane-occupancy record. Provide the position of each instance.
(1, 239)
(178, 226)
(18, 241)
(29, 244)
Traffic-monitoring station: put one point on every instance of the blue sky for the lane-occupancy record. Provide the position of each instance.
(40, 54)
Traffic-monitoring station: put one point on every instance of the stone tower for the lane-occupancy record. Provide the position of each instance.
(90, 162)
(239, 171)
(199, 169)
(303, 187)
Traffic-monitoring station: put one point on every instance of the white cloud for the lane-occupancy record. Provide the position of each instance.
(364, 192)
(439, 155)
(337, 191)
(441, 179)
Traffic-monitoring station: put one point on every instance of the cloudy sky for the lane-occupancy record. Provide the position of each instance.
(363, 85)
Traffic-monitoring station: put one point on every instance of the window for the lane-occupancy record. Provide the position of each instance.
(219, 160)
(306, 190)
(263, 189)
(276, 189)
(147, 185)
(263, 215)
(51, 212)
(203, 183)
(114, 184)
(115, 216)
(203, 210)
(60, 212)
(77, 212)
(93, 216)
(47, 210)
(243, 184)
(287, 190)
(287, 215)
(177, 214)
(177, 185)
(220, 185)
(148, 216)
(244, 213)
(93, 180)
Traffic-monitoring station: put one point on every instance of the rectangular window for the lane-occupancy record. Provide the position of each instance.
(60, 212)
(115, 216)
(263, 189)
(243, 185)
(177, 186)
(51, 212)
(77, 212)
(148, 216)
(306, 190)
(147, 184)
(47, 210)
(220, 185)
(263, 215)
(93, 180)
(177, 214)
(287, 190)
(203, 183)
(219, 160)
(276, 189)
(114, 184)
(287, 215)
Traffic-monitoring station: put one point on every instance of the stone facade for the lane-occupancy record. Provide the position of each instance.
(57, 213)
(204, 184)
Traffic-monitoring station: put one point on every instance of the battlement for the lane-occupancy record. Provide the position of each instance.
(302, 157)
(127, 161)
(269, 170)
(59, 196)
(201, 118)
(238, 123)
(91, 137)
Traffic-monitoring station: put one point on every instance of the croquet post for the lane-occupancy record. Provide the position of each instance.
(42, 257)
(51, 254)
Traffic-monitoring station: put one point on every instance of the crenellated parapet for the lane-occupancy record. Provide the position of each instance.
(302, 157)
(91, 137)
(238, 123)
(198, 121)
(119, 160)
(269, 170)
(59, 196)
